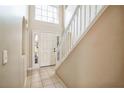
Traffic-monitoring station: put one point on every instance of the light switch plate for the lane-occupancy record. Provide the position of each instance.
(5, 57)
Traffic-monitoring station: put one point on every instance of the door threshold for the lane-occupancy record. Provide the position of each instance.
(47, 66)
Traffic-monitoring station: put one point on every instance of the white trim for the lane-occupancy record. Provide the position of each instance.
(25, 82)
(82, 36)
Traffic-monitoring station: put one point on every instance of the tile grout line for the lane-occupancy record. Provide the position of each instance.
(58, 80)
(51, 79)
(46, 69)
(38, 70)
(40, 78)
(50, 71)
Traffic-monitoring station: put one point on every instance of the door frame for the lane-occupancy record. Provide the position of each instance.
(33, 32)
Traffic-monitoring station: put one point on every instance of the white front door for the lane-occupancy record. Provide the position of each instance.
(48, 42)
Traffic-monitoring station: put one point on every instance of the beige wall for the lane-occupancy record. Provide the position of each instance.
(98, 60)
(11, 74)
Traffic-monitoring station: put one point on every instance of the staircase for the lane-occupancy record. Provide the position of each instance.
(81, 21)
(87, 53)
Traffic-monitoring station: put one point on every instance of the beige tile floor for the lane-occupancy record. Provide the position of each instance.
(44, 77)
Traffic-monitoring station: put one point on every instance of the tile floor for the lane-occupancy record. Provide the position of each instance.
(44, 77)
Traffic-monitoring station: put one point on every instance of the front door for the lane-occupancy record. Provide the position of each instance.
(48, 43)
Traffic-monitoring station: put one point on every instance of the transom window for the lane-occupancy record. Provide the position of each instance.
(47, 13)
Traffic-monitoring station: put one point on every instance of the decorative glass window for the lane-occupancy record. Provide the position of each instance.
(47, 13)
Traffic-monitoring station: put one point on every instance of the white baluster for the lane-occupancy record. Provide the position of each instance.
(87, 15)
(83, 19)
(79, 23)
(92, 12)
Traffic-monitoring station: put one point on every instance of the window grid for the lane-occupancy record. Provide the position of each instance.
(46, 13)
